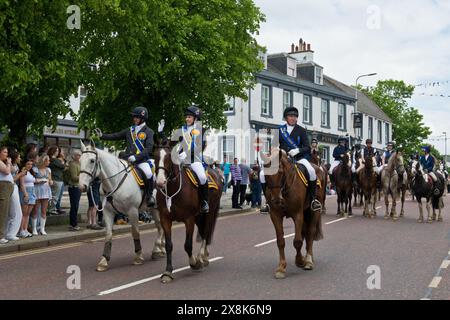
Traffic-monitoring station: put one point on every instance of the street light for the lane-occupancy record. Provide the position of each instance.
(445, 156)
(356, 93)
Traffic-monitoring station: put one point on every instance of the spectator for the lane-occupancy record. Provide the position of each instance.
(62, 158)
(43, 150)
(57, 167)
(262, 179)
(255, 185)
(226, 173)
(74, 190)
(6, 190)
(94, 203)
(245, 173)
(15, 210)
(27, 197)
(31, 150)
(42, 188)
(236, 178)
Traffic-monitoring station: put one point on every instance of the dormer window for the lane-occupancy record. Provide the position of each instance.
(318, 78)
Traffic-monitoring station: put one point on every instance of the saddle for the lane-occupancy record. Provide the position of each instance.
(304, 175)
(194, 179)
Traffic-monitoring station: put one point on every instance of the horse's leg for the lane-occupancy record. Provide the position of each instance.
(166, 224)
(402, 212)
(194, 263)
(338, 205)
(386, 202)
(133, 216)
(429, 218)
(298, 238)
(439, 209)
(159, 249)
(277, 221)
(419, 202)
(394, 206)
(109, 220)
(350, 213)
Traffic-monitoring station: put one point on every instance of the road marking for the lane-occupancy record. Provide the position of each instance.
(292, 234)
(136, 283)
(445, 264)
(40, 250)
(435, 282)
(378, 208)
(337, 220)
(425, 299)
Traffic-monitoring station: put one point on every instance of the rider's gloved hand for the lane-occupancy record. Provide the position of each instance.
(98, 132)
(294, 152)
(132, 159)
(182, 156)
(161, 125)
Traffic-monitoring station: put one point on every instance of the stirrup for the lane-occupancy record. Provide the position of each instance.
(204, 207)
(316, 205)
(150, 202)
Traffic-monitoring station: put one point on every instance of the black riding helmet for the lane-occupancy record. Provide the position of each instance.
(369, 141)
(342, 139)
(193, 111)
(140, 112)
(314, 140)
(290, 111)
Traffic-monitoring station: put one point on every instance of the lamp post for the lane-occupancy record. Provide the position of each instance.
(356, 94)
(445, 139)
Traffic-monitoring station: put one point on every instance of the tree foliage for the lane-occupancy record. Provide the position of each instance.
(391, 96)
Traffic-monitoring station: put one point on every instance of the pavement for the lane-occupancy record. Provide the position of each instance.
(57, 226)
(409, 260)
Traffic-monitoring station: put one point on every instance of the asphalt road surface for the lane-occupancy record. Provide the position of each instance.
(410, 258)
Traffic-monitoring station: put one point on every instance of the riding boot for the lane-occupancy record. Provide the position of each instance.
(332, 180)
(203, 193)
(315, 204)
(149, 193)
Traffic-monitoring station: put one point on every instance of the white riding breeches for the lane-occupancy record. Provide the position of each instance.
(433, 176)
(199, 170)
(309, 167)
(354, 167)
(334, 164)
(145, 167)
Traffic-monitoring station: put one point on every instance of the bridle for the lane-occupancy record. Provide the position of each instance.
(92, 174)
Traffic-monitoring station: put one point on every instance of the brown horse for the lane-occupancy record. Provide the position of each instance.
(368, 182)
(178, 200)
(344, 186)
(287, 197)
(322, 192)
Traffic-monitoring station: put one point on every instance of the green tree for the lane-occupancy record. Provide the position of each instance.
(391, 96)
(166, 55)
(40, 65)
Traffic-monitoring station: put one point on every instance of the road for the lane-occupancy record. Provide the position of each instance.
(411, 258)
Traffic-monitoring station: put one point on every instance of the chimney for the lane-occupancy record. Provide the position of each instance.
(296, 48)
(292, 48)
(302, 52)
(300, 43)
(309, 46)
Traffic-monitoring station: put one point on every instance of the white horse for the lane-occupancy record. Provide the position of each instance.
(124, 195)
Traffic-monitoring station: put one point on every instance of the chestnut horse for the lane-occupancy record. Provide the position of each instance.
(287, 197)
(368, 181)
(177, 200)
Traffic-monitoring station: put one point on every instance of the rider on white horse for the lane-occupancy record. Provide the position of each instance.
(294, 141)
(386, 156)
(191, 151)
(139, 138)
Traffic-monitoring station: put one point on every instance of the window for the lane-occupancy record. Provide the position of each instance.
(230, 105)
(267, 145)
(386, 132)
(265, 101)
(319, 78)
(287, 99)
(326, 154)
(342, 119)
(380, 132)
(83, 94)
(325, 113)
(370, 128)
(307, 109)
(228, 148)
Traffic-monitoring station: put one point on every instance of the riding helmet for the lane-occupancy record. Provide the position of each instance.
(140, 112)
(193, 111)
(342, 139)
(390, 143)
(427, 149)
(290, 111)
(314, 140)
(368, 141)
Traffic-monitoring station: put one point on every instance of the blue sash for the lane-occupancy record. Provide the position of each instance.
(137, 142)
(287, 138)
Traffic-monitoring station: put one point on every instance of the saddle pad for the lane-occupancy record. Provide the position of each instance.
(193, 178)
(301, 174)
(139, 176)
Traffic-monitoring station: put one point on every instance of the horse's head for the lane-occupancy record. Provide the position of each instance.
(274, 172)
(89, 164)
(416, 168)
(398, 163)
(164, 153)
(346, 159)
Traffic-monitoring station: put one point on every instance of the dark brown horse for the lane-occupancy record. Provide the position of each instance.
(322, 192)
(344, 186)
(368, 181)
(178, 200)
(287, 197)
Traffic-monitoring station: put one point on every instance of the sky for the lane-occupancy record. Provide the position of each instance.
(405, 40)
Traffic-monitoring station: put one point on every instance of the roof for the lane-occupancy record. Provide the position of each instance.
(365, 104)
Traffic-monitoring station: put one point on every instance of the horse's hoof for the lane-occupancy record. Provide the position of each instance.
(386, 217)
(166, 277)
(300, 264)
(308, 266)
(394, 218)
(158, 255)
(440, 219)
(205, 263)
(138, 260)
(102, 266)
(280, 275)
(197, 266)
(430, 221)
(419, 220)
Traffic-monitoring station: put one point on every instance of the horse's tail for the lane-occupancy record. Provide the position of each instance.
(319, 233)
(307, 225)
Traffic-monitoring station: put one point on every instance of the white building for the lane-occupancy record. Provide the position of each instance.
(326, 108)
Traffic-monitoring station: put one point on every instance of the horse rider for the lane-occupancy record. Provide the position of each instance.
(192, 144)
(386, 156)
(356, 150)
(294, 140)
(338, 154)
(139, 138)
(428, 162)
(368, 151)
(315, 150)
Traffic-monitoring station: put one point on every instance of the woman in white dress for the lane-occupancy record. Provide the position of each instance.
(43, 192)
(15, 210)
(27, 197)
